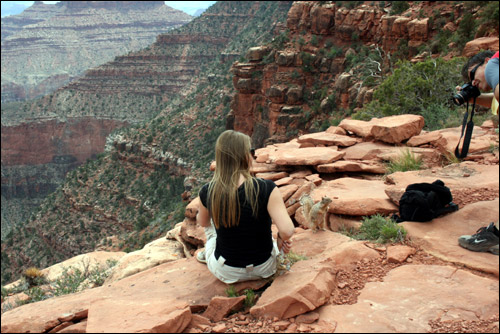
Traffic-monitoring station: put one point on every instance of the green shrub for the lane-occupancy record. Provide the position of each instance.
(381, 230)
(399, 7)
(423, 88)
(405, 162)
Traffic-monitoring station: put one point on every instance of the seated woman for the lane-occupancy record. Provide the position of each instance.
(237, 211)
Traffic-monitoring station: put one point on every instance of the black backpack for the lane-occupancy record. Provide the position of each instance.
(423, 202)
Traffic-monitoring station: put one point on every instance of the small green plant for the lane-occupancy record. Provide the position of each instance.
(294, 257)
(250, 298)
(231, 291)
(493, 148)
(405, 162)
(451, 158)
(381, 230)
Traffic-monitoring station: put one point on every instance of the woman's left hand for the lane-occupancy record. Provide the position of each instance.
(285, 246)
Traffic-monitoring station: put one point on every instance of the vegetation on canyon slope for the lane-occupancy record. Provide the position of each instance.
(122, 193)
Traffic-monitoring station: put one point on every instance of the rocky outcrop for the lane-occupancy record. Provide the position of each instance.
(336, 278)
(296, 84)
(103, 29)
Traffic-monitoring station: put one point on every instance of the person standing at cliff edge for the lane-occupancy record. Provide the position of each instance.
(237, 211)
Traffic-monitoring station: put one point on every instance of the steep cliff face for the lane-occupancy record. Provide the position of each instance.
(49, 45)
(329, 59)
(36, 157)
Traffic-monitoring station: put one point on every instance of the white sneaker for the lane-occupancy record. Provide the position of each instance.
(201, 256)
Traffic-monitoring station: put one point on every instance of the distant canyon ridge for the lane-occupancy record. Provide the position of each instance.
(47, 46)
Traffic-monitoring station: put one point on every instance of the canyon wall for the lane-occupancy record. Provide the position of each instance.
(296, 82)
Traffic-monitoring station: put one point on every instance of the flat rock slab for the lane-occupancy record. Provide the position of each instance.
(368, 166)
(439, 237)
(41, 317)
(136, 315)
(412, 295)
(328, 139)
(457, 176)
(150, 294)
(355, 197)
(335, 248)
(384, 152)
(309, 156)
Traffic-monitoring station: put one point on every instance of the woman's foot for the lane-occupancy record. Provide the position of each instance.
(201, 256)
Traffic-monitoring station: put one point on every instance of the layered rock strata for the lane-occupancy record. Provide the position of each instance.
(41, 56)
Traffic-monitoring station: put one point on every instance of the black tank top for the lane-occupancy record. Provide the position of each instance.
(250, 242)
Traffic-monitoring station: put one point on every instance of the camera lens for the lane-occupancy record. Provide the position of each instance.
(458, 99)
(466, 93)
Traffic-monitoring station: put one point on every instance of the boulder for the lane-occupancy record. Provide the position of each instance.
(355, 197)
(193, 233)
(483, 43)
(327, 139)
(384, 152)
(288, 190)
(192, 208)
(396, 129)
(299, 291)
(434, 138)
(392, 129)
(220, 307)
(481, 139)
(399, 253)
(309, 156)
(154, 253)
(359, 128)
(257, 53)
(272, 176)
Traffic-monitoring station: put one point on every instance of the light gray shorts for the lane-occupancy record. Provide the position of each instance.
(228, 274)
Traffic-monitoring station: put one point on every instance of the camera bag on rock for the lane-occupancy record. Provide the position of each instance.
(423, 202)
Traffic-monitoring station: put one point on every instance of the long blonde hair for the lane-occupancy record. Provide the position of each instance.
(232, 158)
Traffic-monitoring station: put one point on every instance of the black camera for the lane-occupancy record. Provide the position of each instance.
(465, 94)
